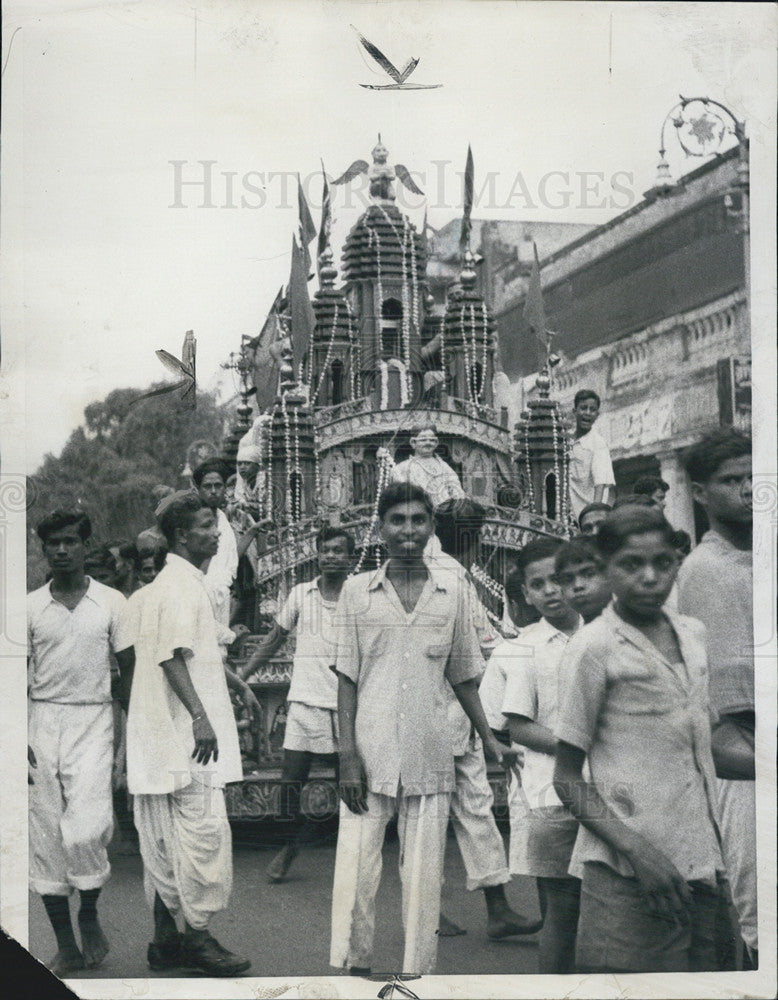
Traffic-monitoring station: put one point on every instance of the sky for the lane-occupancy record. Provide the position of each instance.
(106, 258)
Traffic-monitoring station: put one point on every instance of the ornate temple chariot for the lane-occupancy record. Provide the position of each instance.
(350, 378)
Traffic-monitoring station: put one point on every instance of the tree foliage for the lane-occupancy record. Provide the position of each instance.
(111, 463)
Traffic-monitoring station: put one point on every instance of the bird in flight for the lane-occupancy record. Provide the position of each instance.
(399, 76)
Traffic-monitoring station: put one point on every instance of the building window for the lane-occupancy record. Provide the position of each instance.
(391, 323)
(336, 377)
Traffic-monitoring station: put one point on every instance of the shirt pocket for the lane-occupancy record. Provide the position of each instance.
(644, 693)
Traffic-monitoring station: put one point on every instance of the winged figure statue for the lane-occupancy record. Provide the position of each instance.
(380, 174)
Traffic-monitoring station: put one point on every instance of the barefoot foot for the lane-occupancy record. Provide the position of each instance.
(448, 929)
(507, 923)
(94, 943)
(66, 960)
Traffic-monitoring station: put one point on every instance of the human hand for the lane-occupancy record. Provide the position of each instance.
(663, 887)
(353, 782)
(205, 740)
(32, 763)
(510, 758)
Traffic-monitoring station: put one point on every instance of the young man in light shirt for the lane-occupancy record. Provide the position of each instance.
(404, 633)
(72, 625)
(591, 470)
(636, 710)
(715, 585)
(311, 722)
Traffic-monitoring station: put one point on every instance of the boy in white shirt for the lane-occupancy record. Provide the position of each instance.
(543, 844)
(591, 470)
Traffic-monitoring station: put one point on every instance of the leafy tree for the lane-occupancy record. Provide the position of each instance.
(111, 463)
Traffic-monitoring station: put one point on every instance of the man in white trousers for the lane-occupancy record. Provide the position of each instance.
(182, 747)
(403, 633)
(458, 526)
(71, 629)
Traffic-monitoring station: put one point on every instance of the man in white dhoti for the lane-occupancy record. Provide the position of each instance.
(403, 631)
(71, 628)
(182, 747)
(210, 478)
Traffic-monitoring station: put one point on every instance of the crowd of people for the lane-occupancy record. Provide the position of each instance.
(623, 717)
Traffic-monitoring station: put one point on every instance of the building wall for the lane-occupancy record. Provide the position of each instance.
(644, 309)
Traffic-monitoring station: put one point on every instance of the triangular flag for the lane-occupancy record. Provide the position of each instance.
(300, 308)
(534, 313)
(307, 228)
(467, 225)
(326, 220)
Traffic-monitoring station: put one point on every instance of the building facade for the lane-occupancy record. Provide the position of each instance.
(650, 310)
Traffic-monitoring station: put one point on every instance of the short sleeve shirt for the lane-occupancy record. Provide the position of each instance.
(492, 687)
(310, 617)
(644, 725)
(532, 689)
(70, 651)
(590, 466)
(402, 663)
(715, 584)
(174, 613)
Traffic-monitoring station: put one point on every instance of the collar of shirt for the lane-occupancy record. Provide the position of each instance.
(543, 631)
(91, 593)
(180, 564)
(715, 540)
(436, 576)
(636, 638)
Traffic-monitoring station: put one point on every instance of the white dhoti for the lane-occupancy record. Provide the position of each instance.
(422, 830)
(737, 803)
(478, 838)
(186, 845)
(70, 805)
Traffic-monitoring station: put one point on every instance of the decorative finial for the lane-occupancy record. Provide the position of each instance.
(467, 277)
(543, 382)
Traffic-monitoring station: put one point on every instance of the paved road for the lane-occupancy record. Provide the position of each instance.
(285, 928)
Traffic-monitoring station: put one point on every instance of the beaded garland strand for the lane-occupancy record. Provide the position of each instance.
(385, 467)
(326, 365)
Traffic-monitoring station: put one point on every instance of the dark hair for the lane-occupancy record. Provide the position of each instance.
(649, 484)
(179, 513)
(402, 493)
(457, 522)
(101, 558)
(682, 541)
(210, 465)
(591, 507)
(59, 519)
(129, 550)
(423, 425)
(534, 551)
(703, 459)
(583, 394)
(633, 500)
(330, 531)
(577, 551)
(631, 520)
(159, 554)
